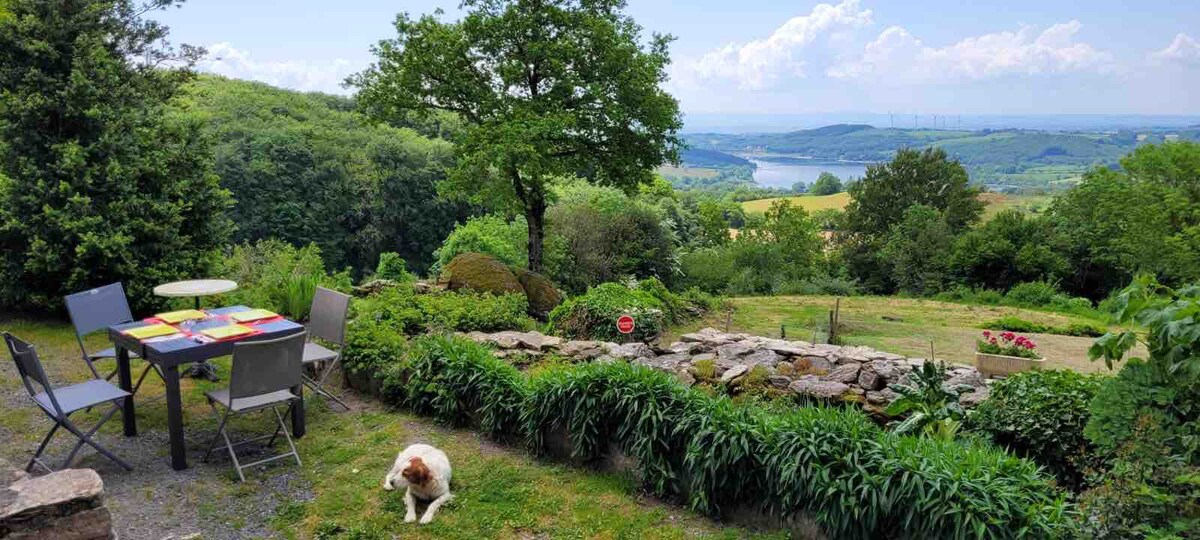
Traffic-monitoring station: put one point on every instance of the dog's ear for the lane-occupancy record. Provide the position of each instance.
(417, 472)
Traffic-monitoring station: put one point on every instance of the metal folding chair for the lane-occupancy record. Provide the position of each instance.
(97, 309)
(262, 377)
(59, 403)
(327, 321)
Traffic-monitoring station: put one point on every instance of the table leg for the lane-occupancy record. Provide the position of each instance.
(128, 413)
(175, 417)
(298, 412)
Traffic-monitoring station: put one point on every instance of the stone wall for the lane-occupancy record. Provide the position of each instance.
(62, 505)
(817, 371)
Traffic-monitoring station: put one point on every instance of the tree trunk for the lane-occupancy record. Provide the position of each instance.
(535, 215)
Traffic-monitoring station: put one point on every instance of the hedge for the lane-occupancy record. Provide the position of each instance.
(832, 465)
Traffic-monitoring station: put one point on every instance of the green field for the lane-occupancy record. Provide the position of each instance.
(995, 202)
(900, 325)
(678, 172)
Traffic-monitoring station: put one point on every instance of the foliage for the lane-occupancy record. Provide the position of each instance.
(1035, 293)
(480, 272)
(826, 184)
(1017, 324)
(304, 168)
(1007, 344)
(932, 409)
(449, 311)
(1010, 248)
(96, 186)
(392, 267)
(1041, 415)
(822, 284)
(372, 346)
(675, 308)
(917, 250)
(490, 234)
(275, 275)
(594, 315)
(708, 269)
(783, 248)
(547, 90)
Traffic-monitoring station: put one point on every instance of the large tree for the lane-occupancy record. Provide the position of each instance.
(100, 187)
(547, 89)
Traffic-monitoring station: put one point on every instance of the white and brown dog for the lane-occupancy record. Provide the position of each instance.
(425, 473)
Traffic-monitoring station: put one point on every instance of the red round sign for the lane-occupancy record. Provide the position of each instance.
(625, 324)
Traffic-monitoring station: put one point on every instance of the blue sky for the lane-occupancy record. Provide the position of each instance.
(777, 57)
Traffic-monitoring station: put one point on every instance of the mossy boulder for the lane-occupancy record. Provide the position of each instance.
(480, 272)
(542, 294)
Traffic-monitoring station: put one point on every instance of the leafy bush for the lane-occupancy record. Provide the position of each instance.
(1041, 415)
(932, 409)
(1016, 324)
(457, 381)
(1007, 344)
(1033, 293)
(822, 284)
(460, 311)
(708, 269)
(594, 315)
(392, 266)
(278, 276)
(371, 346)
(491, 234)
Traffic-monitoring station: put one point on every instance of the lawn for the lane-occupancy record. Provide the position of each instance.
(501, 492)
(900, 325)
(811, 203)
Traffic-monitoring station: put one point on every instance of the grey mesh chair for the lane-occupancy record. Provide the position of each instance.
(327, 321)
(262, 377)
(59, 403)
(97, 309)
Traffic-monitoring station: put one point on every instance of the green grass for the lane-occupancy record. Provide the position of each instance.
(501, 491)
(901, 325)
(810, 203)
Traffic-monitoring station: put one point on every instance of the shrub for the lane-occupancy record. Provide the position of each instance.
(1141, 398)
(708, 269)
(594, 315)
(675, 309)
(1017, 324)
(481, 272)
(492, 234)
(543, 296)
(1041, 415)
(275, 275)
(932, 409)
(371, 346)
(449, 311)
(392, 266)
(822, 284)
(1033, 293)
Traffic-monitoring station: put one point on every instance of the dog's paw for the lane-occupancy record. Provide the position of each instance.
(410, 518)
(387, 486)
(426, 519)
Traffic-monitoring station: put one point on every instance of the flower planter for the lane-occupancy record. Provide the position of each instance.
(993, 365)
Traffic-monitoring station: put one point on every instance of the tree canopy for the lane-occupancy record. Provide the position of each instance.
(547, 89)
(96, 185)
(826, 184)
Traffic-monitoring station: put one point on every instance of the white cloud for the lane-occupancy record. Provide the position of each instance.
(1183, 49)
(756, 64)
(899, 56)
(225, 59)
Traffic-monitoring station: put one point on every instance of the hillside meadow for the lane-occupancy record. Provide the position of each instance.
(996, 202)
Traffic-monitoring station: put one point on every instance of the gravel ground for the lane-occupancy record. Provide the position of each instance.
(154, 502)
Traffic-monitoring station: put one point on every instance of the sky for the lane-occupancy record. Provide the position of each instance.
(766, 57)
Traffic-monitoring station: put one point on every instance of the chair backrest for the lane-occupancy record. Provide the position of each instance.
(98, 308)
(327, 319)
(29, 366)
(261, 367)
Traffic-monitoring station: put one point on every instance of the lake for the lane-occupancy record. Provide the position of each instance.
(782, 172)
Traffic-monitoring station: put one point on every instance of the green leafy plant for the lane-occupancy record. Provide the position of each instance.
(1041, 415)
(932, 409)
(295, 298)
(594, 315)
(445, 311)
(392, 266)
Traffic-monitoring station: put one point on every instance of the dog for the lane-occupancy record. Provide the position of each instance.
(424, 472)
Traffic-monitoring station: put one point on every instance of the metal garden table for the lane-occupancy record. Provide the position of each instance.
(171, 354)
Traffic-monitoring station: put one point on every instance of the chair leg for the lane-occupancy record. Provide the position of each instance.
(287, 435)
(220, 429)
(317, 388)
(233, 455)
(41, 448)
(88, 440)
(78, 445)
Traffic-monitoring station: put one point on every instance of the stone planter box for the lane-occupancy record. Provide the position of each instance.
(999, 365)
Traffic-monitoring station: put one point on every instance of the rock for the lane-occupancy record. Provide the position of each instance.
(505, 340)
(686, 347)
(666, 362)
(604, 359)
(590, 354)
(968, 376)
(575, 347)
(733, 351)
(974, 398)
(764, 357)
(703, 357)
(61, 504)
(734, 372)
(812, 387)
(633, 350)
(787, 348)
(686, 377)
(780, 381)
(711, 337)
(813, 364)
(884, 397)
(785, 368)
(845, 373)
(543, 296)
(888, 369)
(481, 272)
(869, 380)
(373, 287)
(538, 341)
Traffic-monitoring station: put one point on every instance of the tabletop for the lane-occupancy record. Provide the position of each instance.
(195, 287)
(170, 351)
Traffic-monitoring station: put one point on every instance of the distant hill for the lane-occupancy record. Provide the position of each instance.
(692, 157)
